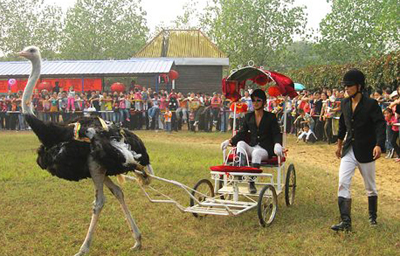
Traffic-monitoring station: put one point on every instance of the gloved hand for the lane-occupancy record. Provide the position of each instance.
(278, 149)
(225, 144)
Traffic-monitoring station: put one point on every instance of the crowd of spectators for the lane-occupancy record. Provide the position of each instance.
(312, 116)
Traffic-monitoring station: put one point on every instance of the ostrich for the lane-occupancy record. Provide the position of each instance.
(87, 147)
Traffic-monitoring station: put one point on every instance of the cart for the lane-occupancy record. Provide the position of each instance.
(227, 192)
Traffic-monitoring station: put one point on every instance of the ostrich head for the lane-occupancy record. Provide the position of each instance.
(32, 53)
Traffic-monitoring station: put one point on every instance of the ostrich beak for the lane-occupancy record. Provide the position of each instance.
(23, 54)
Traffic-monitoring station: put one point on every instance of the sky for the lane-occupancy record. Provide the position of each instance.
(167, 10)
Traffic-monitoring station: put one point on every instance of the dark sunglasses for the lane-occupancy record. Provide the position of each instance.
(258, 100)
(348, 85)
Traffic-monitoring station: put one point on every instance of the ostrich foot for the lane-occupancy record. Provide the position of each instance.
(137, 246)
(82, 252)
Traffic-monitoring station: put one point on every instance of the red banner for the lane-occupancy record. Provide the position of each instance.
(3, 85)
(89, 84)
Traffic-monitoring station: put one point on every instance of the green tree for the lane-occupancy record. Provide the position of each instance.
(29, 22)
(356, 30)
(301, 54)
(190, 14)
(101, 29)
(257, 30)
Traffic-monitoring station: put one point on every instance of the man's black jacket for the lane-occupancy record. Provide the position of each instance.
(365, 128)
(266, 135)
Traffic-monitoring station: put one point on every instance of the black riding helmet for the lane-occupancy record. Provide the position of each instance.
(354, 77)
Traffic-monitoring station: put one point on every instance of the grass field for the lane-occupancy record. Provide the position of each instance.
(43, 215)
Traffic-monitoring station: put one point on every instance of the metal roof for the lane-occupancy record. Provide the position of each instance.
(79, 68)
(194, 61)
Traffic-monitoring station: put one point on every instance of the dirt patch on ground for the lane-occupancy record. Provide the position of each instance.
(321, 155)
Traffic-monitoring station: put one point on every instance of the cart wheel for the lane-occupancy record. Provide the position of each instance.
(290, 185)
(202, 187)
(267, 205)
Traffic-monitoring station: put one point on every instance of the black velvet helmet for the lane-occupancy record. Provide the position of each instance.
(259, 94)
(354, 77)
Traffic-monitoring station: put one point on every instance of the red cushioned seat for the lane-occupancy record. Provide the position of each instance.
(228, 168)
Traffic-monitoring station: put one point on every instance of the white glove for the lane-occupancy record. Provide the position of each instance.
(278, 149)
(224, 144)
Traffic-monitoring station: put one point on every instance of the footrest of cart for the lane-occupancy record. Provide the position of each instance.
(228, 168)
(221, 207)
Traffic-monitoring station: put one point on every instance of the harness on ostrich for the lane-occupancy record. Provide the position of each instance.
(78, 126)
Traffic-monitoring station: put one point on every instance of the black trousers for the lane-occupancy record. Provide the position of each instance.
(2, 120)
(174, 122)
(328, 130)
(393, 142)
(319, 128)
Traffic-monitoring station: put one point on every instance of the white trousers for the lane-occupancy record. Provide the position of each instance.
(307, 135)
(348, 165)
(256, 153)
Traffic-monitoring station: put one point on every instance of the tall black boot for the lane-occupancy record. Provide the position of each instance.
(372, 209)
(252, 185)
(242, 161)
(345, 210)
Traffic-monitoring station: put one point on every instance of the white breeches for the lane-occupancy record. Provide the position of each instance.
(348, 165)
(307, 135)
(256, 153)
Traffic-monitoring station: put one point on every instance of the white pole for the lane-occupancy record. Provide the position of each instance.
(284, 121)
(234, 120)
(173, 84)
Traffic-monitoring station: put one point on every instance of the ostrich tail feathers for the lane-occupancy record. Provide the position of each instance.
(121, 179)
(36, 124)
(49, 133)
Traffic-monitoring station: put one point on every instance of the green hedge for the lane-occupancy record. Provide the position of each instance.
(380, 73)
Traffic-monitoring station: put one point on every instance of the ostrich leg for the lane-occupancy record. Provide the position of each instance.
(98, 176)
(117, 192)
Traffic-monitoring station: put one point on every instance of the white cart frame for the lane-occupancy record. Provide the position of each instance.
(229, 195)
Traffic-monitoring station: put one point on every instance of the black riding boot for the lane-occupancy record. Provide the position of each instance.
(252, 185)
(242, 161)
(372, 208)
(345, 210)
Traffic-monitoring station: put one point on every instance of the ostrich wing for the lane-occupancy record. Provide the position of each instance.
(57, 160)
(118, 150)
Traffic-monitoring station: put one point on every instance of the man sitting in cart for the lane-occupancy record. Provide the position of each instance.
(262, 130)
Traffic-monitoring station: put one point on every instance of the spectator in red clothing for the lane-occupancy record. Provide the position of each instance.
(394, 131)
(216, 104)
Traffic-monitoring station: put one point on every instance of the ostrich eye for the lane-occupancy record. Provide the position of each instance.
(32, 50)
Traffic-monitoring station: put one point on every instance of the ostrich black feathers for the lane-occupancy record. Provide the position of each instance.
(57, 160)
(105, 150)
(138, 146)
(65, 150)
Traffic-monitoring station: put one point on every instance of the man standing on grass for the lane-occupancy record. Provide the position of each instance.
(363, 122)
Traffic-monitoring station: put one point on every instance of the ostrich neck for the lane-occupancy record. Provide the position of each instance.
(33, 77)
